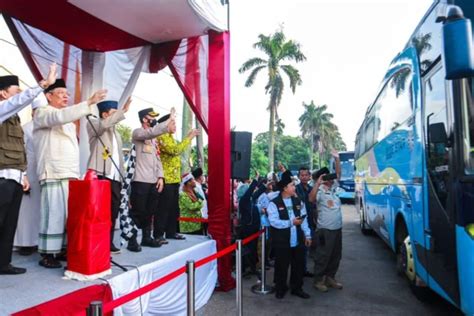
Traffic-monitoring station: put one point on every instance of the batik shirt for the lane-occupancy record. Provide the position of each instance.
(189, 208)
(170, 153)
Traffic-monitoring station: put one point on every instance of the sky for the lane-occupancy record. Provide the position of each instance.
(348, 45)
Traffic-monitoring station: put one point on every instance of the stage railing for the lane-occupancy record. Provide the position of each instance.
(97, 308)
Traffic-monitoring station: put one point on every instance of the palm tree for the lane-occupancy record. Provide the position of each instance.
(317, 128)
(279, 51)
(308, 123)
(400, 79)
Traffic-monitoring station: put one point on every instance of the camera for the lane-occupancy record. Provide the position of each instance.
(330, 176)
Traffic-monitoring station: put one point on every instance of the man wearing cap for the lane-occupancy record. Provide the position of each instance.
(290, 234)
(26, 237)
(168, 210)
(198, 175)
(302, 190)
(328, 236)
(147, 183)
(58, 161)
(105, 141)
(13, 180)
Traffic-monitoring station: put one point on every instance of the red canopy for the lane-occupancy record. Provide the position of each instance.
(101, 25)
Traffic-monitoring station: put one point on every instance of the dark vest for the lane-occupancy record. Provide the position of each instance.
(281, 237)
(12, 145)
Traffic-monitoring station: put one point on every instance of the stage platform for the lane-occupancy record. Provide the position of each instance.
(39, 285)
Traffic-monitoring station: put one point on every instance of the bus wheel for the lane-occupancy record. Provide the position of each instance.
(405, 260)
(364, 228)
(406, 267)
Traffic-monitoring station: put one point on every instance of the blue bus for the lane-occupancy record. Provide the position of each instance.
(414, 157)
(346, 181)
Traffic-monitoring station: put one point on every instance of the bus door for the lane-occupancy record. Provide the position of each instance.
(439, 219)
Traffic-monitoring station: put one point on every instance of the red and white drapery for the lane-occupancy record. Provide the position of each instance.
(200, 65)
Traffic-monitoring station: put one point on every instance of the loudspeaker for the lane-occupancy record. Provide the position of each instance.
(240, 151)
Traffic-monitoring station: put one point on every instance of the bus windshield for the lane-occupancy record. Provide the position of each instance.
(347, 166)
(468, 128)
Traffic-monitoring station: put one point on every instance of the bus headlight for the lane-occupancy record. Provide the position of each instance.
(470, 230)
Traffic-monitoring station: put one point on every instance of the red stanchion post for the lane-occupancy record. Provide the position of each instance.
(94, 309)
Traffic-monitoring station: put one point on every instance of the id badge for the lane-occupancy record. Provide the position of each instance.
(147, 149)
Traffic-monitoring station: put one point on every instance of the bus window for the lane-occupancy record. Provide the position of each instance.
(468, 128)
(369, 134)
(395, 103)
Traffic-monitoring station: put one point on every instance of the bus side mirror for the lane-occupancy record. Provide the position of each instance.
(437, 134)
(457, 42)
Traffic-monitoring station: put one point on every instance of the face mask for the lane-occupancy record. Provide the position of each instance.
(152, 122)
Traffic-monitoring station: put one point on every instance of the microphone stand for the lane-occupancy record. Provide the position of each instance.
(106, 154)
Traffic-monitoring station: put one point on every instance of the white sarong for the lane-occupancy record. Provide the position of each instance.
(54, 196)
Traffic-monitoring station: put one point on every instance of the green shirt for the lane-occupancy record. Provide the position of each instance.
(188, 208)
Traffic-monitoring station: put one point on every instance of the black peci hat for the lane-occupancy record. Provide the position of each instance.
(286, 178)
(317, 174)
(59, 83)
(197, 173)
(164, 118)
(6, 81)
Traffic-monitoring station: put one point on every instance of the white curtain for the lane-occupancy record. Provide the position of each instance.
(170, 298)
(116, 71)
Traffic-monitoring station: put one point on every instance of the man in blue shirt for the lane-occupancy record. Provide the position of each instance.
(290, 234)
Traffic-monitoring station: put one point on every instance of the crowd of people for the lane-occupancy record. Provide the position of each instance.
(303, 221)
(38, 160)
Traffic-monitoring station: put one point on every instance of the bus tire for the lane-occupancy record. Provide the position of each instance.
(406, 268)
(364, 228)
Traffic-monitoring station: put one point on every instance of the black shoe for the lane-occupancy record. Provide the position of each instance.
(26, 251)
(49, 262)
(150, 242)
(162, 240)
(133, 245)
(280, 294)
(61, 256)
(308, 274)
(11, 270)
(300, 293)
(114, 249)
(176, 236)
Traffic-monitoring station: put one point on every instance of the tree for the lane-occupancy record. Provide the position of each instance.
(321, 134)
(125, 133)
(279, 51)
(185, 129)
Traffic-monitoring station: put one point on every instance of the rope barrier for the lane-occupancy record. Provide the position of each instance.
(193, 220)
(110, 306)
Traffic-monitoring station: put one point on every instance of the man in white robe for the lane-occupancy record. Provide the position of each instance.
(57, 148)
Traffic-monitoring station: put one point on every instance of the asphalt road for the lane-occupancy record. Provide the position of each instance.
(371, 286)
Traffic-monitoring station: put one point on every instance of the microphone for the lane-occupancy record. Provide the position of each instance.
(91, 115)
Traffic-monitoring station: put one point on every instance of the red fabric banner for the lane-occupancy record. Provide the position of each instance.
(74, 303)
(219, 151)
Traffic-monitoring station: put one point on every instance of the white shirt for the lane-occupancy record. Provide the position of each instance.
(13, 174)
(16, 103)
(114, 175)
(200, 191)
